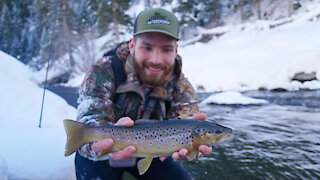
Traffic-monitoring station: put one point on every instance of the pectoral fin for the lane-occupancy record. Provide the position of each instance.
(144, 164)
(104, 153)
(193, 155)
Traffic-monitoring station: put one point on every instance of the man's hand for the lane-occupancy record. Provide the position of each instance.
(108, 142)
(182, 154)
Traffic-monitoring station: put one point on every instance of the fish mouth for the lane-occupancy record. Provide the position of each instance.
(224, 137)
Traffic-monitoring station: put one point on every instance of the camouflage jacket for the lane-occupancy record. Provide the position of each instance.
(97, 96)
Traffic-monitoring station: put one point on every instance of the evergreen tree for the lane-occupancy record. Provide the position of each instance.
(14, 29)
(111, 13)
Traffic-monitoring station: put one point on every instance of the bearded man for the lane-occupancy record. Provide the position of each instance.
(140, 79)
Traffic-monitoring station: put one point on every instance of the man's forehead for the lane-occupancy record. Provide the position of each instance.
(156, 38)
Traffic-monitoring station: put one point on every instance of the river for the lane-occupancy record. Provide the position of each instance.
(280, 140)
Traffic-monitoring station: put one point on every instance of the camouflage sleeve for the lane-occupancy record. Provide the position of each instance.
(185, 100)
(95, 100)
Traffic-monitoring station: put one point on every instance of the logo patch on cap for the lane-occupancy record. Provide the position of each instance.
(158, 19)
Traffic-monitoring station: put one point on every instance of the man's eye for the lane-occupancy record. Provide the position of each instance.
(167, 50)
(147, 48)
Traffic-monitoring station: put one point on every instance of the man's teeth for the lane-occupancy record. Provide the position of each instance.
(154, 69)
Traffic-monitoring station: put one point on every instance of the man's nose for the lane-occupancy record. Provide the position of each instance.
(156, 57)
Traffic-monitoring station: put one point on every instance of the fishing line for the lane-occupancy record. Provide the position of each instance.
(48, 65)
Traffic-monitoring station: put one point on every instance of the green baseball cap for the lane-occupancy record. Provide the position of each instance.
(157, 20)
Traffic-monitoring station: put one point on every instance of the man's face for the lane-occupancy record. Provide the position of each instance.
(153, 57)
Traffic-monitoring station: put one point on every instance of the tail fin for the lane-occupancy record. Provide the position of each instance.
(75, 138)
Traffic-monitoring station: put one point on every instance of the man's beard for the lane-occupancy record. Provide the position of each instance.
(152, 79)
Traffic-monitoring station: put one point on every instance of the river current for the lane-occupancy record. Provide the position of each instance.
(279, 140)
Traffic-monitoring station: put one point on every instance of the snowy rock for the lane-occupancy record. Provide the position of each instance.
(232, 98)
(302, 76)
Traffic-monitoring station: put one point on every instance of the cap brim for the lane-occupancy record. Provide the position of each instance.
(157, 30)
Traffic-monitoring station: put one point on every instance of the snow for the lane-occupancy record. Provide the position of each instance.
(27, 151)
(253, 59)
(232, 98)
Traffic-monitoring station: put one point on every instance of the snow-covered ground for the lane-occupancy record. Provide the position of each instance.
(252, 59)
(27, 151)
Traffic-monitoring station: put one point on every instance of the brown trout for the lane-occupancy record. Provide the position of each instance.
(151, 138)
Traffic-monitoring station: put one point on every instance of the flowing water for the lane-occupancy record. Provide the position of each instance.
(280, 140)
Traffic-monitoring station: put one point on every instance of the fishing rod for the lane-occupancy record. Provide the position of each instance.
(48, 65)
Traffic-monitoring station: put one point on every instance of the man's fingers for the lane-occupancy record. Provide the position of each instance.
(102, 145)
(125, 121)
(182, 154)
(205, 150)
(163, 158)
(123, 154)
(199, 116)
(175, 155)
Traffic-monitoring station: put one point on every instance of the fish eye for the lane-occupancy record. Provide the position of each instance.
(219, 131)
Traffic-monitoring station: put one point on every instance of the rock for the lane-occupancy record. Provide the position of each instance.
(201, 88)
(262, 88)
(302, 77)
(63, 78)
(279, 90)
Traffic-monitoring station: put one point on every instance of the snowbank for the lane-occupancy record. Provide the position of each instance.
(232, 98)
(31, 152)
(253, 59)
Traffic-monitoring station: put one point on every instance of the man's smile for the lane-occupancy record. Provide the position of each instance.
(154, 70)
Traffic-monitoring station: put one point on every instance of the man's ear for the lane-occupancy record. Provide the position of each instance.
(131, 45)
(177, 48)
